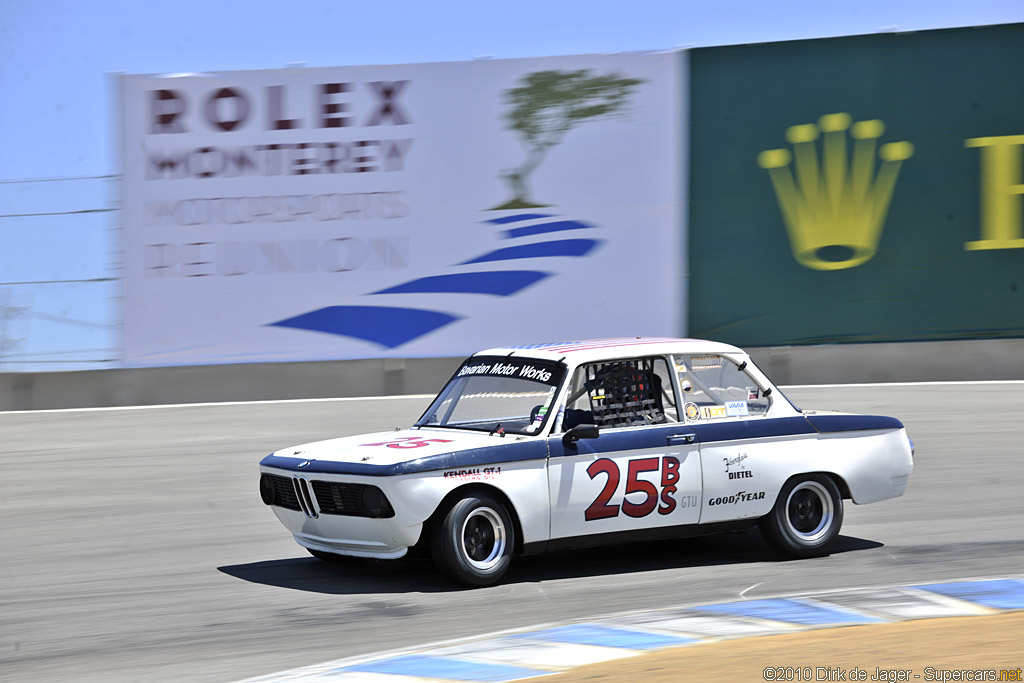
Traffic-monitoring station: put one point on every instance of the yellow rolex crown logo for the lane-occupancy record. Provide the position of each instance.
(834, 209)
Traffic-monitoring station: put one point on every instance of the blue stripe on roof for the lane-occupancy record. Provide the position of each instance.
(605, 636)
(1000, 594)
(496, 283)
(555, 248)
(547, 345)
(450, 668)
(554, 226)
(791, 611)
(517, 217)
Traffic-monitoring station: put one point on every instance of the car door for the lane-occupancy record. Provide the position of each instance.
(643, 471)
(740, 439)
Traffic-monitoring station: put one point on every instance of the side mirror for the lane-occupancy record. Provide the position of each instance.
(581, 432)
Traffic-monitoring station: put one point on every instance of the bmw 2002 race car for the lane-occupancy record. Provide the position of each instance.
(584, 443)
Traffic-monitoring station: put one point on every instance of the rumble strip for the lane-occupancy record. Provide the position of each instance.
(512, 656)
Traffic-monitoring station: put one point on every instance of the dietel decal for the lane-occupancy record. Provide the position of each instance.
(741, 497)
(735, 468)
(692, 411)
(474, 474)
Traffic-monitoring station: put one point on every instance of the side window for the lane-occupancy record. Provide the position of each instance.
(621, 393)
(715, 387)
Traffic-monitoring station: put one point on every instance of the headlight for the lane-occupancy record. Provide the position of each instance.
(267, 491)
(375, 504)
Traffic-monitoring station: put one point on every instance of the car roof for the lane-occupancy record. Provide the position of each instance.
(585, 351)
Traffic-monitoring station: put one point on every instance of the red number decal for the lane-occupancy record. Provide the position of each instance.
(407, 442)
(669, 477)
(636, 485)
(600, 509)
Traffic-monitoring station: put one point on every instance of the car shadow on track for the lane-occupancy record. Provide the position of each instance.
(356, 576)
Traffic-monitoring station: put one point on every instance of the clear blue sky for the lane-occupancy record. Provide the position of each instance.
(59, 298)
(56, 106)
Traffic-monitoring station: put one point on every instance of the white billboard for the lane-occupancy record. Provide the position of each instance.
(401, 211)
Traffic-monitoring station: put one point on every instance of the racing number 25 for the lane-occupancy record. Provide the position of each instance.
(601, 508)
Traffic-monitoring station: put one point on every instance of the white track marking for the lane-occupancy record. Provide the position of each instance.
(418, 397)
(903, 384)
(744, 592)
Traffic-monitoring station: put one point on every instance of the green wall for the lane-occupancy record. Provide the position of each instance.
(829, 232)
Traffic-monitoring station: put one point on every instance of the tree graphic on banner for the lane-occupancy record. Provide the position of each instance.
(546, 106)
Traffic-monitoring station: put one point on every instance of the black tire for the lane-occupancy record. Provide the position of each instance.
(806, 518)
(472, 544)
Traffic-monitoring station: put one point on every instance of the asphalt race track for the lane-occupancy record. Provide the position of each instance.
(134, 545)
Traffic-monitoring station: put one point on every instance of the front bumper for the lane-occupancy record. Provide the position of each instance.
(323, 514)
(356, 536)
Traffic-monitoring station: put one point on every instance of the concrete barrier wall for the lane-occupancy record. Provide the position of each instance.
(828, 364)
(215, 383)
(998, 359)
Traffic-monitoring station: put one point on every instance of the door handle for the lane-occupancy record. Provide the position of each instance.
(679, 439)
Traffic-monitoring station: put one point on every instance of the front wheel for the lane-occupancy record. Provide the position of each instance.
(473, 543)
(806, 517)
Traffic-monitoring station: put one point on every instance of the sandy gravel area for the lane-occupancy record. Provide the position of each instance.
(930, 649)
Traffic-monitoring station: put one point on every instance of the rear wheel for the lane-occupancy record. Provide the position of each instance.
(806, 518)
(473, 543)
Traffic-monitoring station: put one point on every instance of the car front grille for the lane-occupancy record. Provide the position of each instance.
(339, 499)
(284, 492)
(316, 498)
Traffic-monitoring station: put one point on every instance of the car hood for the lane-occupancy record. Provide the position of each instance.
(393, 448)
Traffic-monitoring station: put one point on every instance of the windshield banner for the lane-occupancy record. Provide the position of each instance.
(519, 368)
(401, 211)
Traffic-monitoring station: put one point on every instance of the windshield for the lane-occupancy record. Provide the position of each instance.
(502, 395)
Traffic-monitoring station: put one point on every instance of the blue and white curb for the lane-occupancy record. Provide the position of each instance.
(544, 650)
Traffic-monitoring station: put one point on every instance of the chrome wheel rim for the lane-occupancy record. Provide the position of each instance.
(483, 538)
(809, 512)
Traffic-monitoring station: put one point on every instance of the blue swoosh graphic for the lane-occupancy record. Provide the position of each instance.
(387, 326)
(556, 248)
(497, 283)
(553, 226)
(517, 217)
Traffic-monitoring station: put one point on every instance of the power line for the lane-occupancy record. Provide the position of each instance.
(57, 180)
(59, 282)
(56, 213)
(70, 321)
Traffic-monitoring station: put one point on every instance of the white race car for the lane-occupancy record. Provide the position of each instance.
(583, 443)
